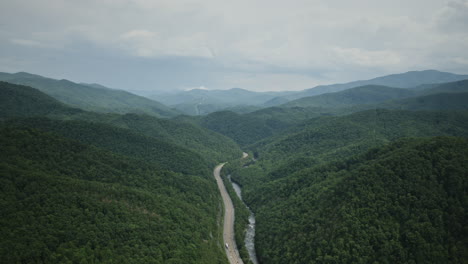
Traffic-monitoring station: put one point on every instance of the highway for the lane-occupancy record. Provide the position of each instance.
(228, 229)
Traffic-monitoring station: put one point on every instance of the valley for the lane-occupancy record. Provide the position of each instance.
(357, 173)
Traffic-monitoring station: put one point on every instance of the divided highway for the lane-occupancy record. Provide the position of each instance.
(228, 229)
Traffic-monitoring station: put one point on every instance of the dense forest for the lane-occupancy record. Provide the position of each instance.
(84, 187)
(317, 202)
(367, 174)
(401, 203)
(65, 202)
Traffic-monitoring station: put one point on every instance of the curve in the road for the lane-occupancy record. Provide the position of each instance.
(228, 229)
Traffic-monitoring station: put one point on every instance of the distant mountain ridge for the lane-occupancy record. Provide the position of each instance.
(202, 101)
(401, 80)
(91, 97)
(230, 96)
(381, 96)
(358, 95)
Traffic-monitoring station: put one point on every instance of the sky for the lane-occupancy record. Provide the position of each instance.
(159, 45)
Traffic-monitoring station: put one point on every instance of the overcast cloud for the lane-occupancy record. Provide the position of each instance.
(256, 45)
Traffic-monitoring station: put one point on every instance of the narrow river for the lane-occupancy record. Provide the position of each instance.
(250, 236)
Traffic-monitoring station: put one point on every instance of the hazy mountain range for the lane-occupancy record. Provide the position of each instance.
(92, 97)
(96, 97)
(200, 101)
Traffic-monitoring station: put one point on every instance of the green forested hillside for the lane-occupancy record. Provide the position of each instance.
(85, 187)
(65, 202)
(335, 137)
(451, 87)
(212, 146)
(90, 98)
(23, 101)
(124, 142)
(401, 203)
(432, 102)
(302, 203)
(327, 186)
(374, 96)
(19, 100)
(369, 94)
(248, 128)
(328, 139)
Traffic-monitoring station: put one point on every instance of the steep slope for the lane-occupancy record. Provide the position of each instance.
(402, 203)
(332, 137)
(18, 100)
(162, 154)
(328, 139)
(66, 202)
(90, 98)
(22, 101)
(211, 145)
(248, 128)
(301, 206)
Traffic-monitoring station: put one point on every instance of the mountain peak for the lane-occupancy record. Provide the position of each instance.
(27, 75)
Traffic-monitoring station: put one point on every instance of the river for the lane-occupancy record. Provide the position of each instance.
(250, 236)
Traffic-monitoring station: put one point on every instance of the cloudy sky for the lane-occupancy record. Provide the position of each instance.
(252, 44)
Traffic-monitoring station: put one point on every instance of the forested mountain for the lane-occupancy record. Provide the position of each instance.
(124, 142)
(337, 180)
(402, 80)
(300, 192)
(401, 203)
(202, 102)
(212, 146)
(90, 97)
(85, 187)
(66, 202)
(442, 101)
(23, 101)
(374, 96)
(18, 100)
(248, 128)
(329, 138)
(369, 94)
(450, 87)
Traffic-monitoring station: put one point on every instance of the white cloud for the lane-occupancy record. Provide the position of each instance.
(359, 57)
(138, 33)
(27, 42)
(453, 18)
(461, 60)
(146, 43)
(335, 38)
